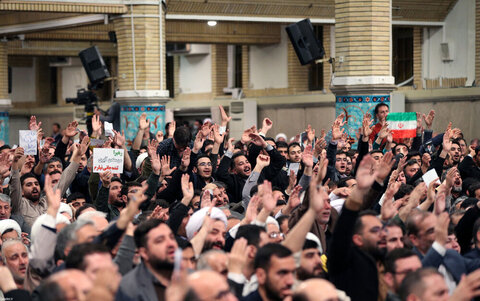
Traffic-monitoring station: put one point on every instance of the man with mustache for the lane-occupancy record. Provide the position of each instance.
(310, 260)
(15, 257)
(156, 245)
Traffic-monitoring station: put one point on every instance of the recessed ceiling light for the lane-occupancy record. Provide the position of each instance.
(212, 23)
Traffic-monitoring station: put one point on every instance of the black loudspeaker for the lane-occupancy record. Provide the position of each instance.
(304, 41)
(94, 65)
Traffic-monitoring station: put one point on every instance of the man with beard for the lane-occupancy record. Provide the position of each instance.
(25, 191)
(214, 235)
(109, 198)
(310, 260)
(156, 245)
(355, 245)
(241, 170)
(470, 165)
(15, 257)
(275, 269)
(398, 263)
(455, 153)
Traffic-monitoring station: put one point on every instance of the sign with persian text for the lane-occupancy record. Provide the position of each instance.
(107, 159)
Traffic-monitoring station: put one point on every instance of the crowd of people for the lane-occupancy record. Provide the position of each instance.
(199, 215)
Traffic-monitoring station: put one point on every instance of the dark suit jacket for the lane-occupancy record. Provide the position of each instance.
(255, 296)
(138, 284)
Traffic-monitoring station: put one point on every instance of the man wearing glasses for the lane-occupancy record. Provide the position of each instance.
(398, 263)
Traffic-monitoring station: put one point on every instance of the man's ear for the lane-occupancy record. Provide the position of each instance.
(388, 277)
(142, 251)
(125, 198)
(251, 251)
(195, 170)
(357, 240)
(261, 276)
(413, 239)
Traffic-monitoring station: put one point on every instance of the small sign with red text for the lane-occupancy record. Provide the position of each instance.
(107, 159)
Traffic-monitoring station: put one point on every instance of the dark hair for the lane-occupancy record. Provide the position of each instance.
(411, 224)
(265, 253)
(394, 223)
(310, 244)
(343, 182)
(142, 230)
(341, 153)
(377, 107)
(74, 196)
(182, 136)
(281, 218)
(393, 256)
(413, 153)
(374, 151)
(80, 210)
(411, 162)
(251, 233)
(201, 156)
(159, 202)
(270, 139)
(76, 257)
(6, 146)
(54, 159)
(49, 291)
(205, 144)
(413, 282)
(468, 202)
(281, 144)
(116, 179)
(57, 124)
(358, 226)
(472, 188)
(235, 156)
(293, 144)
(127, 185)
(403, 191)
(27, 176)
(395, 147)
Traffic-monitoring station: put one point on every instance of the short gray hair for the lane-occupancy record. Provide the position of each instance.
(202, 263)
(8, 243)
(6, 199)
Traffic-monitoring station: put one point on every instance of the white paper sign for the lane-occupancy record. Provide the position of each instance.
(108, 129)
(107, 159)
(430, 176)
(28, 140)
(293, 166)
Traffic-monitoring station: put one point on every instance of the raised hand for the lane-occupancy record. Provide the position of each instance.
(156, 164)
(447, 144)
(230, 145)
(205, 129)
(186, 159)
(225, 118)
(307, 156)
(237, 258)
(206, 200)
(45, 155)
(33, 125)
(120, 139)
(53, 197)
(384, 131)
(310, 134)
(266, 195)
(384, 167)
(152, 147)
(218, 138)
(263, 161)
(96, 126)
(252, 209)
(320, 145)
(267, 125)
(429, 119)
(417, 194)
(294, 199)
(366, 173)
(257, 140)
(187, 188)
(18, 154)
(106, 178)
(198, 143)
(171, 129)
(246, 134)
(441, 228)
(337, 124)
(71, 130)
(468, 288)
(389, 209)
(143, 122)
(166, 170)
(450, 178)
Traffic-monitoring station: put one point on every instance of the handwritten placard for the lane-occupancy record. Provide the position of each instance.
(28, 140)
(107, 159)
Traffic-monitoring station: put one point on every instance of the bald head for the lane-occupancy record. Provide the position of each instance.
(316, 290)
(210, 285)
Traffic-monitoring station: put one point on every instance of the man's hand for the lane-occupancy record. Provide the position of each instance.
(366, 173)
(7, 283)
(419, 124)
(310, 134)
(384, 131)
(246, 134)
(429, 119)
(198, 143)
(252, 210)
(143, 122)
(45, 155)
(366, 126)
(80, 149)
(152, 147)
(185, 159)
(263, 161)
(468, 288)
(120, 139)
(257, 140)
(337, 124)
(53, 197)
(225, 118)
(307, 156)
(71, 130)
(106, 178)
(384, 167)
(96, 126)
(293, 200)
(156, 164)
(33, 125)
(441, 228)
(450, 178)
(218, 138)
(266, 195)
(230, 146)
(237, 258)
(320, 145)
(417, 194)
(171, 129)
(267, 125)
(166, 170)
(187, 189)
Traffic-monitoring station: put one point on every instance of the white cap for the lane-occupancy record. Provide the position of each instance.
(311, 236)
(65, 208)
(10, 224)
(196, 220)
(281, 135)
(140, 159)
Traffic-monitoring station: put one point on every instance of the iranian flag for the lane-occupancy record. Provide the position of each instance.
(403, 125)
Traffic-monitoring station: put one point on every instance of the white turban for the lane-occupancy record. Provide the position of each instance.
(6, 224)
(196, 220)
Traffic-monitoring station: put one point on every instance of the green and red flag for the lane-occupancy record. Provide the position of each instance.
(403, 125)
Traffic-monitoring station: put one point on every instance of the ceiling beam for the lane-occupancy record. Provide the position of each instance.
(64, 7)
